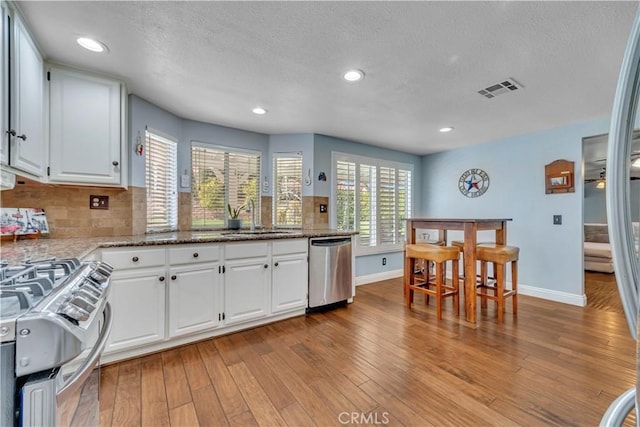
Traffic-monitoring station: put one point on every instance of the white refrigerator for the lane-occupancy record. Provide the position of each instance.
(624, 119)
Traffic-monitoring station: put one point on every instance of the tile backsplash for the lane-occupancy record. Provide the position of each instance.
(68, 213)
(67, 208)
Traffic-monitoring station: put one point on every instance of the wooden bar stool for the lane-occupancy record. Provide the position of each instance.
(500, 256)
(439, 255)
(460, 245)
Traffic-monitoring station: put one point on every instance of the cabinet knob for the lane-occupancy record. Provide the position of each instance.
(174, 277)
(195, 254)
(22, 137)
(135, 259)
(276, 264)
(11, 132)
(266, 266)
(115, 163)
(161, 278)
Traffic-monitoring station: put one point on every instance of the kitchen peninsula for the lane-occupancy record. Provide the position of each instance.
(169, 289)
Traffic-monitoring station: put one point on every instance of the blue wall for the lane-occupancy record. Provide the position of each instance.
(550, 255)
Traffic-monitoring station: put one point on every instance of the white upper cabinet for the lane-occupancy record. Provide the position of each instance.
(86, 129)
(25, 129)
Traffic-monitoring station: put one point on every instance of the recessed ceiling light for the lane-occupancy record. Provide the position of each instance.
(353, 75)
(91, 44)
(259, 111)
(446, 129)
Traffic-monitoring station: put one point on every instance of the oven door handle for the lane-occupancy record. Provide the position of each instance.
(79, 376)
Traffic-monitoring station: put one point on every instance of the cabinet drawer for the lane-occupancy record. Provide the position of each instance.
(281, 247)
(134, 258)
(246, 250)
(193, 253)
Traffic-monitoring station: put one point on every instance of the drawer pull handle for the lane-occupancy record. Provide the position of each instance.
(161, 278)
(115, 163)
(135, 259)
(276, 264)
(266, 266)
(195, 254)
(174, 277)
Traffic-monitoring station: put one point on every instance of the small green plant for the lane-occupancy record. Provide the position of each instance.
(234, 213)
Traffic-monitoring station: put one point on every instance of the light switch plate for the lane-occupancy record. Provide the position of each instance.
(185, 181)
(557, 219)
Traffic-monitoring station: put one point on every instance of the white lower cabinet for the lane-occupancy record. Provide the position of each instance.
(194, 298)
(137, 300)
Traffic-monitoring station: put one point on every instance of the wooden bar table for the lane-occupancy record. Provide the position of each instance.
(470, 226)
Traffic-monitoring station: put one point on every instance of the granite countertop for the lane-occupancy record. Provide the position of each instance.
(16, 252)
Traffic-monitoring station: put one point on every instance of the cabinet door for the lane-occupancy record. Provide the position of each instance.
(194, 295)
(289, 283)
(27, 102)
(138, 303)
(246, 289)
(85, 128)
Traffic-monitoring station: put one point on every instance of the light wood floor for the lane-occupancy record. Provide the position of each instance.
(554, 364)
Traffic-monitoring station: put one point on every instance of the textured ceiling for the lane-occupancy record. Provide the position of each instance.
(424, 63)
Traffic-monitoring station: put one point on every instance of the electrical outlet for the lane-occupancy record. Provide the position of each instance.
(384, 261)
(98, 202)
(557, 219)
(323, 208)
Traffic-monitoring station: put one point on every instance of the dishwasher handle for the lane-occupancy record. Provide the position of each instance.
(331, 242)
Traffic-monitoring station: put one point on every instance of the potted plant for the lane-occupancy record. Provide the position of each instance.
(234, 222)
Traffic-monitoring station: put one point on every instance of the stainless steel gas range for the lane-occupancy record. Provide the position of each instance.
(54, 323)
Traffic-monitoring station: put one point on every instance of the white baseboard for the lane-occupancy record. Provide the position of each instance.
(548, 294)
(376, 277)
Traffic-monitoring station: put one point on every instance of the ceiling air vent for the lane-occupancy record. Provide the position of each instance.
(508, 85)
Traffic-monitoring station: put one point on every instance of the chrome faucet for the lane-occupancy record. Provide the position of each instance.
(253, 213)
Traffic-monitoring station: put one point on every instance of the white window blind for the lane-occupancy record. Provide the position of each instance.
(373, 197)
(221, 177)
(161, 182)
(287, 206)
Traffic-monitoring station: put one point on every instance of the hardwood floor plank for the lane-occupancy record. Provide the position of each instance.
(396, 406)
(108, 385)
(184, 415)
(295, 416)
(261, 407)
(208, 407)
(155, 411)
(177, 386)
(226, 389)
(126, 408)
(194, 369)
(244, 419)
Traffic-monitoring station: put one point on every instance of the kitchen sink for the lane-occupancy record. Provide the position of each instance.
(255, 233)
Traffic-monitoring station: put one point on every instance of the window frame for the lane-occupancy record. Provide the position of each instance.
(172, 223)
(377, 163)
(227, 150)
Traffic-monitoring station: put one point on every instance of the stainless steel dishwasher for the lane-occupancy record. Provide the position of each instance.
(330, 276)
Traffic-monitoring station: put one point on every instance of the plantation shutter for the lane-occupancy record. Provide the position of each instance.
(161, 182)
(387, 208)
(208, 207)
(367, 221)
(346, 195)
(287, 206)
(404, 202)
(220, 177)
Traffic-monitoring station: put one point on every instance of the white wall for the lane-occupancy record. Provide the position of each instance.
(550, 255)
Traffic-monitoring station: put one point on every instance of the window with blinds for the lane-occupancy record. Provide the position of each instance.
(161, 182)
(221, 176)
(287, 205)
(373, 197)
